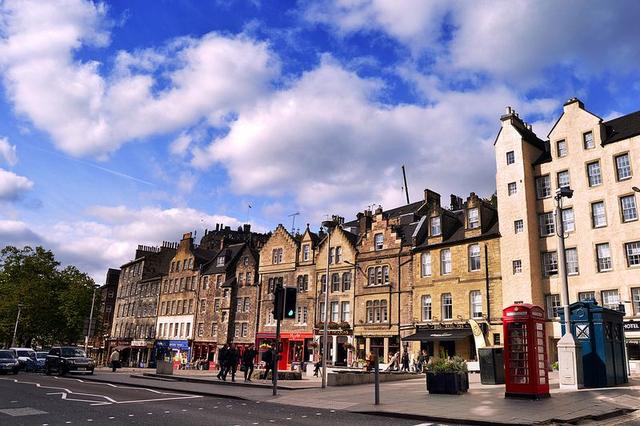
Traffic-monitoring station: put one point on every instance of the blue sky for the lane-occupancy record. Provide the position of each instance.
(130, 122)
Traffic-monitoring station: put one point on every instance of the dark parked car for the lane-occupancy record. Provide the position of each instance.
(37, 363)
(8, 362)
(68, 359)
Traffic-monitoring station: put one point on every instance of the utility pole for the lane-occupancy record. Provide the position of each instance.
(86, 338)
(15, 329)
(406, 189)
(329, 225)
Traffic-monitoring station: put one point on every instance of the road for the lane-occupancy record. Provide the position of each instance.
(36, 399)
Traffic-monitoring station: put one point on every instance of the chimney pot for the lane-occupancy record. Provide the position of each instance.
(507, 110)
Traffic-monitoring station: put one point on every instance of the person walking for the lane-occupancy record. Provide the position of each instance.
(248, 357)
(316, 368)
(233, 357)
(115, 360)
(222, 362)
(267, 358)
(405, 361)
(393, 362)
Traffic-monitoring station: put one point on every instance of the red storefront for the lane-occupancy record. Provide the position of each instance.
(295, 347)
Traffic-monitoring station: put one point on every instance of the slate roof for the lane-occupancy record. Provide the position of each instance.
(459, 234)
(621, 128)
(393, 213)
(233, 252)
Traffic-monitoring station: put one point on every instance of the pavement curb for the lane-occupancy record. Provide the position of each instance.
(219, 382)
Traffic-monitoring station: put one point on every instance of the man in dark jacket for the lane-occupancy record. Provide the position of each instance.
(248, 358)
(267, 358)
(222, 362)
(233, 357)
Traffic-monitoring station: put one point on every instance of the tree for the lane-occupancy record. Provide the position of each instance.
(55, 302)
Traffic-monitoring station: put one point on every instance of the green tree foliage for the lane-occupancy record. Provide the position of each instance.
(55, 302)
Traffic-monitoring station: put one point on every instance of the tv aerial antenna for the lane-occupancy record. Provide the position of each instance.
(293, 221)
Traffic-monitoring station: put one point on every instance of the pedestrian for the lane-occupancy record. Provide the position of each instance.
(248, 358)
(233, 357)
(393, 362)
(115, 360)
(316, 368)
(405, 361)
(371, 361)
(267, 358)
(222, 362)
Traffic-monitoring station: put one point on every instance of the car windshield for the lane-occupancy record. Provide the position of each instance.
(29, 354)
(42, 355)
(73, 352)
(6, 355)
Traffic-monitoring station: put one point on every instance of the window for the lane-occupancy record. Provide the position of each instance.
(335, 282)
(445, 261)
(345, 312)
(247, 304)
(306, 251)
(301, 315)
(474, 219)
(379, 275)
(245, 329)
(223, 318)
(245, 260)
(593, 173)
(584, 296)
(571, 258)
(474, 257)
(610, 299)
(177, 265)
(563, 179)
(323, 281)
(517, 266)
(200, 328)
(512, 188)
(447, 306)
(216, 306)
(303, 283)
(376, 311)
(562, 148)
(543, 186)
(335, 311)
(425, 261)
(332, 252)
(173, 265)
(598, 215)
(475, 301)
(518, 226)
(322, 312)
(190, 306)
(372, 276)
(587, 140)
(369, 311)
(220, 261)
(623, 167)
(203, 306)
(603, 254)
(549, 263)
(346, 281)
(338, 254)
(633, 253)
(276, 256)
(511, 157)
(568, 221)
(236, 333)
(426, 307)
(378, 241)
(628, 208)
(553, 306)
(546, 224)
(214, 329)
(240, 276)
(435, 226)
(635, 300)
(205, 282)
(239, 304)
(218, 280)
(247, 279)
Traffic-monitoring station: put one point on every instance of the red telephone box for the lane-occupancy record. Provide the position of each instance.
(525, 355)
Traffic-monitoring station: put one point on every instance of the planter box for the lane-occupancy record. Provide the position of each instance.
(448, 383)
(164, 367)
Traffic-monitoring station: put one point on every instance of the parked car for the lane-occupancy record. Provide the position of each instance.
(8, 362)
(24, 356)
(68, 359)
(37, 363)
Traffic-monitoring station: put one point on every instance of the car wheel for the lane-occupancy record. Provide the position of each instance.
(60, 371)
(47, 371)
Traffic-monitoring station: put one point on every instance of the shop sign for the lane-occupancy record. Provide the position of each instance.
(631, 326)
(333, 332)
(173, 344)
(141, 344)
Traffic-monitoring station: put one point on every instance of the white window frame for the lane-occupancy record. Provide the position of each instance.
(474, 257)
(610, 298)
(543, 187)
(546, 224)
(475, 304)
(561, 148)
(446, 301)
(623, 171)
(518, 226)
(474, 218)
(604, 262)
(512, 188)
(563, 178)
(628, 208)
(445, 262)
(598, 219)
(511, 157)
(553, 304)
(427, 307)
(517, 266)
(571, 260)
(568, 220)
(435, 226)
(594, 174)
(425, 264)
(587, 140)
(632, 253)
(378, 241)
(549, 263)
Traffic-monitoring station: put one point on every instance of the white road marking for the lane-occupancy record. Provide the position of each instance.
(111, 417)
(424, 424)
(89, 420)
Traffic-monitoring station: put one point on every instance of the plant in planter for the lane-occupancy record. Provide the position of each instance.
(333, 326)
(314, 345)
(447, 375)
(344, 325)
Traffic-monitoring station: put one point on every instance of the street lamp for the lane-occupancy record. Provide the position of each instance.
(86, 338)
(15, 329)
(569, 351)
(328, 225)
(635, 188)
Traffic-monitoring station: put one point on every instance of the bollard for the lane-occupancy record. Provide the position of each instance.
(376, 373)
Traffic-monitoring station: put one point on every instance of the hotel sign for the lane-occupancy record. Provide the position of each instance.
(631, 326)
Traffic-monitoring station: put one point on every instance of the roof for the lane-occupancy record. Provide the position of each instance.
(529, 136)
(405, 232)
(231, 252)
(459, 234)
(621, 128)
(203, 255)
(392, 213)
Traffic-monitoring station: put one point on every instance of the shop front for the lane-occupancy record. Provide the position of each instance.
(448, 339)
(176, 351)
(632, 341)
(384, 347)
(142, 353)
(123, 346)
(206, 351)
(295, 347)
(340, 348)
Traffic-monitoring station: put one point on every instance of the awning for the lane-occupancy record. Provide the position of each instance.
(440, 334)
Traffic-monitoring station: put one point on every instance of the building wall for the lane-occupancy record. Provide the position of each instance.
(246, 291)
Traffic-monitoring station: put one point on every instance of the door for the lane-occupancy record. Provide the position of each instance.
(449, 347)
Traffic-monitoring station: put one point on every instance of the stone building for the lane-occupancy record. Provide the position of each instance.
(456, 278)
(599, 160)
(339, 251)
(290, 261)
(179, 299)
(133, 329)
(382, 295)
(106, 303)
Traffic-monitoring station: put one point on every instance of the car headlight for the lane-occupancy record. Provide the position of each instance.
(71, 361)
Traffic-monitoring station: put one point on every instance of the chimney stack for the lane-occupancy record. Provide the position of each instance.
(432, 198)
(246, 228)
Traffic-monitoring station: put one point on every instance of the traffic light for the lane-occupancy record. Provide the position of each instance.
(290, 302)
(278, 305)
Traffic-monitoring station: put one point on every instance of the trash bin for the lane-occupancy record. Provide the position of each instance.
(491, 365)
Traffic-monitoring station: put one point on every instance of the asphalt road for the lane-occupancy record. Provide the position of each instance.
(36, 399)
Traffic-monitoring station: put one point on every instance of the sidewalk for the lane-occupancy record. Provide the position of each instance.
(409, 399)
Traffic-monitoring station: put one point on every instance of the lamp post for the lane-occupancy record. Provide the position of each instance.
(569, 351)
(635, 188)
(86, 338)
(15, 328)
(328, 225)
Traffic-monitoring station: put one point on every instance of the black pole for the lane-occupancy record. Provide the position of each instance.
(279, 292)
(376, 375)
(406, 190)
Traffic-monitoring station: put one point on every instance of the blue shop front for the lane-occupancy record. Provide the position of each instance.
(177, 351)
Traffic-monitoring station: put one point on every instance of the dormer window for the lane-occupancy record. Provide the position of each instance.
(276, 256)
(435, 226)
(332, 252)
(306, 251)
(562, 148)
(474, 218)
(245, 260)
(587, 140)
(191, 263)
(338, 254)
(378, 241)
(220, 261)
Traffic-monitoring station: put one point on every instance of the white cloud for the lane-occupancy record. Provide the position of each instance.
(13, 186)
(8, 152)
(87, 113)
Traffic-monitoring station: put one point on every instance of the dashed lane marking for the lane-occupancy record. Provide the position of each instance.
(24, 411)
